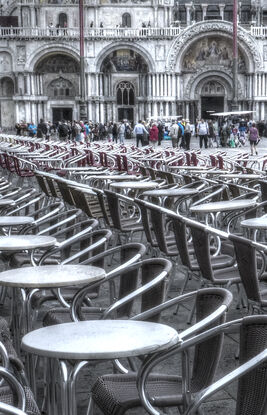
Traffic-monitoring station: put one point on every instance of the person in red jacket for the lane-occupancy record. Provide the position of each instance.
(154, 134)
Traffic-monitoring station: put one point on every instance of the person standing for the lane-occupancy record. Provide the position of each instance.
(161, 133)
(41, 129)
(153, 134)
(187, 134)
(63, 131)
(174, 132)
(253, 138)
(115, 133)
(32, 129)
(139, 131)
(121, 131)
(202, 131)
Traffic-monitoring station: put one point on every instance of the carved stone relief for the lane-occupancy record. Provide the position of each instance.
(21, 55)
(58, 64)
(61, 87)
(5, 62)
(160, 52)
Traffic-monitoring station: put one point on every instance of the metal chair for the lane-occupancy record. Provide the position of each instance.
(251, 374)
(153, 274)
(115, 394)
(250, 267)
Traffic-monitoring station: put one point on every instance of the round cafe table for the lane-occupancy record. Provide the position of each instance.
(93, 340)
(134, 186)
(6, 202)
(166, 194)
(255, 225)
(10, 221)
(211, 208)
(44, 277)
(17, 243)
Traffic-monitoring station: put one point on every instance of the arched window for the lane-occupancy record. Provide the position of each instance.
(125, 93)
(61, 88)
(182, 14)
(63, 20)
(126, 20)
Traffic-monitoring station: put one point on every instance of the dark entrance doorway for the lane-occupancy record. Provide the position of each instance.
(211, 104)
(125, 114)
(60, 114)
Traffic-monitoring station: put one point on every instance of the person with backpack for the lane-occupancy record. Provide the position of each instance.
(41, 129)
(139, 131)
(63, 131)
(203, 131)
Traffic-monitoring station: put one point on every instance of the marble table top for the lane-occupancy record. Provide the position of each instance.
(6, 202)
(135, 185)
(243, 176)
(21, 242)
(51, 276)
(170, 192)
(223, 206)
(15, 220)
(204, 168)
(255, 223)
(101, 339)
(114, 177)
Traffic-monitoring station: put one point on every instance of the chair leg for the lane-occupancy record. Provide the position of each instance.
(91, 405)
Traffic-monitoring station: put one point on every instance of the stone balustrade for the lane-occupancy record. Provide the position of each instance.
(94, 33)
(259, 31)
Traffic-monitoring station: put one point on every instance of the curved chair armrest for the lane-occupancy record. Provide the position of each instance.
(153, 360)
(10, 410)
(226, 380)
(245, 211)
(15, 386)
(136, 293)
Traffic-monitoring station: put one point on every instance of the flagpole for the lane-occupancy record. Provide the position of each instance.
(83, 111)
(235, 57)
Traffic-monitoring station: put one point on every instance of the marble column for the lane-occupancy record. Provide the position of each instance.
(188, 20)
(157, 90)
(257, 109)
(34, 112)
(155, 109)
(155, 17)
(204, 9)
(165, 85)
(102, 112)
(149, 85)
(178, 87)
(262, 117)
(221, 6)
(97, 85)
(154, 85)
(187, 110)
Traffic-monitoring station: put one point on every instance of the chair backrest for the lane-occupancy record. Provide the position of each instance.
(181, 238)
(201, 244)
(252, 389)
(207, 354)
(146, 221)
(43, 184)
(65, 192)
(153, 275)
(247, 266)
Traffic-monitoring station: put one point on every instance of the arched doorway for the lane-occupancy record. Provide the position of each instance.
(125, 100)
(212, 98)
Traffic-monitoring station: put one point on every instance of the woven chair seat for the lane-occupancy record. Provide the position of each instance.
(217, 262)
(61, 315)
(43, 296)
(21, 259)
(223, 276)
(114, 394)
(6, 396)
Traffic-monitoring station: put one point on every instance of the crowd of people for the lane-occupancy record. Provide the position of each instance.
(211, 133)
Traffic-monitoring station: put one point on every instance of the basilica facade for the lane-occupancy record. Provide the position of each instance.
(143, 59)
